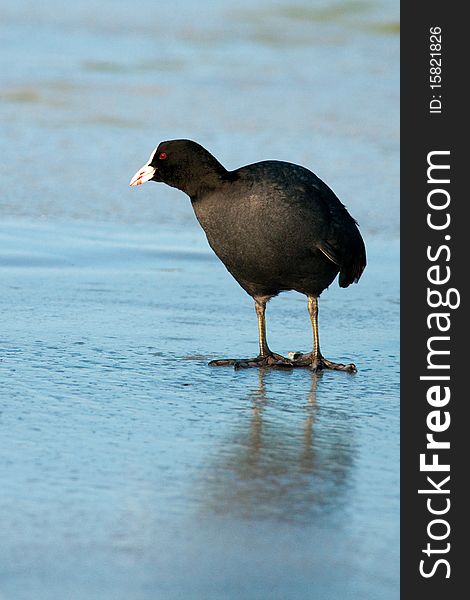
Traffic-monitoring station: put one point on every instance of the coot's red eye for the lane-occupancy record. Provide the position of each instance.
(162, 155)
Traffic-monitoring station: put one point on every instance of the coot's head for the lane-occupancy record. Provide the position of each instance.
(182, 164)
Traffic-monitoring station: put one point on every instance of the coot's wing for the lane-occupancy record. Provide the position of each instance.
(302, 204)
(342, 244)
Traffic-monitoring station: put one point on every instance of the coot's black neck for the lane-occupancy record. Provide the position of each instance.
(210, 180)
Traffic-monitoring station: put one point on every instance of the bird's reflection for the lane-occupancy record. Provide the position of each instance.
(286, 460)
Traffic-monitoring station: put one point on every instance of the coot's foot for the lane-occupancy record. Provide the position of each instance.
(319, 363)
(273, 360)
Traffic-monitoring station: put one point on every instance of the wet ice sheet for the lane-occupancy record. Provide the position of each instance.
(87, 93)
(132, 469)
(129, 468)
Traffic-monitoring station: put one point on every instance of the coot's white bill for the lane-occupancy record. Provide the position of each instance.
(143, 175)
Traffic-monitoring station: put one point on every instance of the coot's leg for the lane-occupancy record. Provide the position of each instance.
(266, 358)
(314, 359)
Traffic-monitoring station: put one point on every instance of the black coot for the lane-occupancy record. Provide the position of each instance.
(275, 225)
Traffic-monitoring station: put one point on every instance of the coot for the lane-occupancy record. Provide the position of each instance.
(276, 227)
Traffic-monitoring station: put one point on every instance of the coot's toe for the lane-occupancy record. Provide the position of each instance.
(319, 363)
(276, 361)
